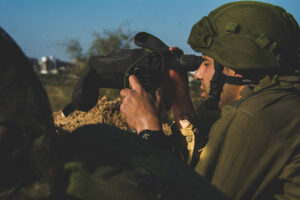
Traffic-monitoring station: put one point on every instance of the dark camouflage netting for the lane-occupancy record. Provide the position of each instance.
(27, 133)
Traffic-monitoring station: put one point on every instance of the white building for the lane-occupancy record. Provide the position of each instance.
(51, 65)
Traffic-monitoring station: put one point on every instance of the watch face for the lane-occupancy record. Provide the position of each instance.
(184, 123)
(146, 136)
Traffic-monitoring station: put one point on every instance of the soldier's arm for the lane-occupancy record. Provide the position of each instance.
(140, 112)
(190, 135)
(139, 108)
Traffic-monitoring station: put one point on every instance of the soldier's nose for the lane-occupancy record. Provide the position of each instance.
(198, 75)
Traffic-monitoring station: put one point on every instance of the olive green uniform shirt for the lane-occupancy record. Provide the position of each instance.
(253, 149)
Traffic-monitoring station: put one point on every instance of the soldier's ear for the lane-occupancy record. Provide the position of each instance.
(238, 75)
(230, 72)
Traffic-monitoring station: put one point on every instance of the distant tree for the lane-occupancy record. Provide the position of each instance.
(102, 44)
(110, 40)
(74, 49)
(105, 43)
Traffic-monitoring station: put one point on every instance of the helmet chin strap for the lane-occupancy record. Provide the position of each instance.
(216, 87)
(217, 84)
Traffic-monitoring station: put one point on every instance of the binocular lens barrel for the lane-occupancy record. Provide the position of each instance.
(191, 62)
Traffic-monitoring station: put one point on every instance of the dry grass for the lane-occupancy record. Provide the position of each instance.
(106, 111)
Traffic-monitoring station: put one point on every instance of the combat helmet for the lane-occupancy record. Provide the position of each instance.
(253, 38)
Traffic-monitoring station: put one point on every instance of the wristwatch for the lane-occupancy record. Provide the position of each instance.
(149, 135)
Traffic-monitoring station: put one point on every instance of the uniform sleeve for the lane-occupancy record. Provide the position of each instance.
(187, 143)
(290, 176)
(157, 138)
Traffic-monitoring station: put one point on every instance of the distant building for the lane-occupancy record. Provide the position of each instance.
(51, 65)
(190, 76)
(63, 66)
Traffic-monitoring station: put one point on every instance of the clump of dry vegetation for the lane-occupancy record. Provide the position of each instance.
(106, 111)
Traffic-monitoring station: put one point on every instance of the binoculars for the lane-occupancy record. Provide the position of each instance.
(148, 63)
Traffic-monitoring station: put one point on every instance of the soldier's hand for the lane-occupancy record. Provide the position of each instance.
(139, 108)
(175, 86)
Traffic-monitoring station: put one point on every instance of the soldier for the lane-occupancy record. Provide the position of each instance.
(93, 162)
(251, 53)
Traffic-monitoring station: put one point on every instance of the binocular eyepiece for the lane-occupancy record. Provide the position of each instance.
(146, 40)
(191, 62)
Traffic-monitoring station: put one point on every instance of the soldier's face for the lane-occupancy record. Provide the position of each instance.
(205, 73)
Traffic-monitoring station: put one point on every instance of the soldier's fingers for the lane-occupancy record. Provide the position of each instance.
(158, 99)
(124, 92)
(172, 48)
(122, 109)
(135, 84)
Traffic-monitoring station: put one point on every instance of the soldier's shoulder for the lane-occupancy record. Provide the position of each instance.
(277, 111)
(268, 102)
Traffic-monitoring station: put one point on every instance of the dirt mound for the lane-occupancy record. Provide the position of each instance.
(106, 111)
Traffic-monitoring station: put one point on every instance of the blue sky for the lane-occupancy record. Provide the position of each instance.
(39, 26)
